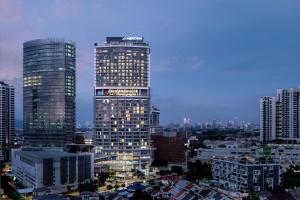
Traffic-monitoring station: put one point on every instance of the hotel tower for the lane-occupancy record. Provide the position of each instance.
(122, 104)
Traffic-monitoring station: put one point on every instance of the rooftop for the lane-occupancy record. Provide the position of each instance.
(124, 41)
(40, 155)
(2, 83)
(46, 41)
(248, 160)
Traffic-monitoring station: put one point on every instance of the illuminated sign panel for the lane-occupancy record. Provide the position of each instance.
(121, 92)
(132, 38)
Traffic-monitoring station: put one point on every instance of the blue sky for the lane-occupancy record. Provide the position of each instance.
(211, 59)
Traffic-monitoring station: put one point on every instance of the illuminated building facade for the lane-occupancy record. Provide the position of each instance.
(122, 104)
(49, 92)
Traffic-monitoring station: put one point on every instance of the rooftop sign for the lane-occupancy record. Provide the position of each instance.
(132, 38)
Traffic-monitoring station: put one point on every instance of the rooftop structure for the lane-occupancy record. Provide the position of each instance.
(55, 170)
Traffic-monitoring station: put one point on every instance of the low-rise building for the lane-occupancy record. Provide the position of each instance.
(87, 195)
(285, 154)
(247, 174)
(58, 171)
(170, 150)
(185, 190)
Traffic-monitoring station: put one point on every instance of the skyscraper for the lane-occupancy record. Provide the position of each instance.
(49, 92)
(267, 119)
(7, 117)
(288, 114)
(122, 103)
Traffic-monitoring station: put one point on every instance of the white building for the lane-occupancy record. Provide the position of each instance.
(280, 117)
(267, 119)
(55, 170)
(288, 114)
(285, 154)
(246, 174)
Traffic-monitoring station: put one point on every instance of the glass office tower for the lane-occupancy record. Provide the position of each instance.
(122, 104)
(49, 92)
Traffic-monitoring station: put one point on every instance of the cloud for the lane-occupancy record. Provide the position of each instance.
(11, 60)
(178, 63)
(66, 8)
(84, 60)
(194, 63)
(9, 10)
(15, 28)
(164, 64)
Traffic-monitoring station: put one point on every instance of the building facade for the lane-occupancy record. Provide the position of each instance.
(285, 154)
(246, 175)
(267, 119)
(7, 118)
(154, 117)
(283, 113)
(288, 114)
(57, 171)
(122, 103)
(169, 150)
(155, 127)
(49, 92)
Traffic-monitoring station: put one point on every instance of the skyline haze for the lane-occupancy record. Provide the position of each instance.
(209, 59)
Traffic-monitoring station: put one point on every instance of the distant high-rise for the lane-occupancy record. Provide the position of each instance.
(267, 119)
(154, 121)
(49, 92)
(187, 121)
(280, 117)
(288, 114)
(122, 103)
(7, 117)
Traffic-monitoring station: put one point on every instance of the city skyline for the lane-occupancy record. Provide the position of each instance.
(214, 57)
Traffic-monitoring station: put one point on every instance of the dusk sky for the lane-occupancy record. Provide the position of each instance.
(210, 59)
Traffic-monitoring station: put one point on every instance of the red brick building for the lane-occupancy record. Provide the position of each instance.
(169, 149)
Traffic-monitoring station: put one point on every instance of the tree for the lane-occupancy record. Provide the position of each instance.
(101, 197)
(109, 187)
(291, 179)
(159, 163)
(141, 195)
(192, 153)
(164, 172)
(177, 169)
(92, 187)
(251, 196)
(138, 173)
(198, 171)
(102, 178)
